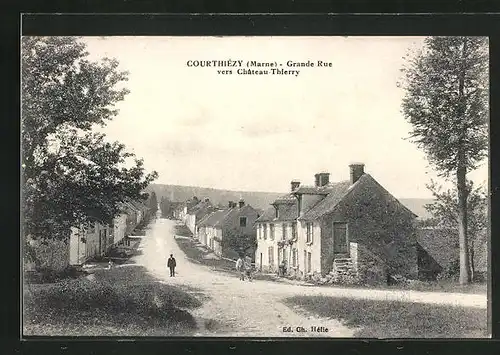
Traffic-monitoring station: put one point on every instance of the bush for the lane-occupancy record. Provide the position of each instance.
(451, 272)
(49, 275)
(346, 279)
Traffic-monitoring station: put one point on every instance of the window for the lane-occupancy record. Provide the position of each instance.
(271, 231)
(309, 232)
(243, 221)
(265, 231)
(305, 260)
(284, 227)
(294, 257)
(270, 252)
(294, 230)
(308, 262)
(259, 231)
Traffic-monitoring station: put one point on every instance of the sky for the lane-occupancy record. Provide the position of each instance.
(198, 127)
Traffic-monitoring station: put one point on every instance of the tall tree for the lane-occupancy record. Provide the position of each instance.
(444, 211)
(153, 202)
(446, 102)
(70, 174)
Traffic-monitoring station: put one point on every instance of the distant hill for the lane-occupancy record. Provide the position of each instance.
(417, 206)
(258, 200)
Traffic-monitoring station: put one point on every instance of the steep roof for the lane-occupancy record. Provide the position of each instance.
(213, 218)
(200, 207)
(337, 193)
(202, 221)
(285, 199)
(287, 212)
(315, 190)
(268, 215)
(233, 212)
(287, 205)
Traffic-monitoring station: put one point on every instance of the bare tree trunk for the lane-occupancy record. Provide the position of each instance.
(462, 226)
(471, 258)
(461, 179)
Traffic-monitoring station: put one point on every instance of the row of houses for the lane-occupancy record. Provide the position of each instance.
(346, 228)
(353, 227)
(227, 231)
(88, 241)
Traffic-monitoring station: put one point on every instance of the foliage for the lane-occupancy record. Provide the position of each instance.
(444, 209)
(446, 103)
(445, 214)
(152, 202)
(446, 100)
(71, 175)
(242, 243)
(166, 207)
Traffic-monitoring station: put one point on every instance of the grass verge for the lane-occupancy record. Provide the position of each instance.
(118, 302)
(391, 319)
(199, 253)
(423, 286)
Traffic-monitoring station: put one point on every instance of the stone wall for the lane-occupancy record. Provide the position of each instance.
(377, 222)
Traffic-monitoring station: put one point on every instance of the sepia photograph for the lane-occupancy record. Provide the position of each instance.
(255, 186)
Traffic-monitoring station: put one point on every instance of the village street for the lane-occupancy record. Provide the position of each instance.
(254, 308)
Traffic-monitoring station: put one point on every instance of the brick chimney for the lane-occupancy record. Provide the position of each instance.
(322, 179)
(241, 203)
(294, 185)
(356, 170)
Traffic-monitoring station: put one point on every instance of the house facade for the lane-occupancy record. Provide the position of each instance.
(96, 238)
(348, 228)
(277, 234)
(208, 234)
(229, 231)
(197, 213)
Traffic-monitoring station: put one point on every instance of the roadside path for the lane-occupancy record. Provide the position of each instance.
(254, 309)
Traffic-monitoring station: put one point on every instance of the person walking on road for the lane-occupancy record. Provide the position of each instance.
(171, 264)
(248, 268)
(240, 267)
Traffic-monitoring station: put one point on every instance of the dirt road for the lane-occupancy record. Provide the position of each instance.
(254, 309)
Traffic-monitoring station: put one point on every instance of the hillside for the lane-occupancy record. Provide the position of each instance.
(259, 200)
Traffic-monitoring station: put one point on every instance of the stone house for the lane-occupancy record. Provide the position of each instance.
(89, 241)
(353, 227)
(207, 234)
(197, 213)
(276, 230)
(97, 238)
(225, 231)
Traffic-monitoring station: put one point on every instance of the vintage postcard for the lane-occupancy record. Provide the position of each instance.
(255, 186)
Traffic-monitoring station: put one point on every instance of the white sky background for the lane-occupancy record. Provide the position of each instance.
(256, 133)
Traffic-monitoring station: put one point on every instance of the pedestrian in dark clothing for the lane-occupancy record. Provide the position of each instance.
(171, 264)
